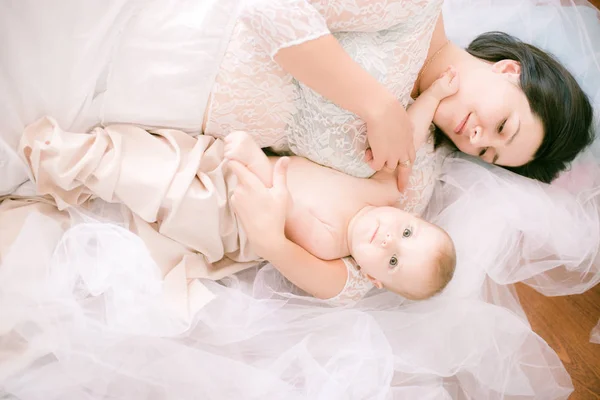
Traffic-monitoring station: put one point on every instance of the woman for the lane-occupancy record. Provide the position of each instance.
(278, 82)
(251, 341)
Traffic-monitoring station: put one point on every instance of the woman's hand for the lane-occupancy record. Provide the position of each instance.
(261, 210)
(324, 66)
(390, 134)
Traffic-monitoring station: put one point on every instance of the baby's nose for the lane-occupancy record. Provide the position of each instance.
(386, 240)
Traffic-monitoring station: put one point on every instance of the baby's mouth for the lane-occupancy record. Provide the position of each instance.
(374, 233)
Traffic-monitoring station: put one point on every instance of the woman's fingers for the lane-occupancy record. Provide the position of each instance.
(280, 173)
(378, 160)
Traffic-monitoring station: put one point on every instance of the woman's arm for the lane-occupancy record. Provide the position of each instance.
(297, 34)
(325, 67)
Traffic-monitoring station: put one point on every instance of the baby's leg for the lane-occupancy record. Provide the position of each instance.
(423, 109)
(240, 146)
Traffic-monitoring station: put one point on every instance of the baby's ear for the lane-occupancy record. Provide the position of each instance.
(375, 282)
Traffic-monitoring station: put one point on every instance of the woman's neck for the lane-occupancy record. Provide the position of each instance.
(441, 54)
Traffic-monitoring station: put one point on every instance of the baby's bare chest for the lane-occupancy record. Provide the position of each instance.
(324, 202)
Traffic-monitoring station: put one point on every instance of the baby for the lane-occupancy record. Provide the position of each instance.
(311, 218)
(333, 215)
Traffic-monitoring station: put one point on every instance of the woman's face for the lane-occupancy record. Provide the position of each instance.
(489, 117)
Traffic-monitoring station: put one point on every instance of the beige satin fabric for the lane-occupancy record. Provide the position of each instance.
(175, 188)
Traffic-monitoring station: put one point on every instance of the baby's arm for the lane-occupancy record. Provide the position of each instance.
(423, 109)
(323, 279)
(240, 146)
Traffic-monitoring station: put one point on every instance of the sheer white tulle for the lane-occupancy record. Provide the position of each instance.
(90, 323)
(595, 336)
(82, 314)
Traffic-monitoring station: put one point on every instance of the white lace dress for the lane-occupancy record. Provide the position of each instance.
(388, 38)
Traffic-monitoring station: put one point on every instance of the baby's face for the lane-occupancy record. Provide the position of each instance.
(395, 248)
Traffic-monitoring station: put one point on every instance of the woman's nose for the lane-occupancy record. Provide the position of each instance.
(476, 136)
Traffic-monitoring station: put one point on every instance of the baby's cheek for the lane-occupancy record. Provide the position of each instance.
(367, 260)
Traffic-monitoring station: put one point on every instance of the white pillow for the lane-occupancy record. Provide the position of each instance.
(52, 56)
(149, 62)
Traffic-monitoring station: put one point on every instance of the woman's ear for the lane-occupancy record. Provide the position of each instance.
(510, 67)
(375, 282)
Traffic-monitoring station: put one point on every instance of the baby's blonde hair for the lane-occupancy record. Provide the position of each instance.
(444, 264)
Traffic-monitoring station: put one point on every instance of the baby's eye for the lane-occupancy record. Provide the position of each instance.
(393, 261)
(407, 233)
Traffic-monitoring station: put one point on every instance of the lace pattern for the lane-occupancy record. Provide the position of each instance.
(329, 135)
(252, 93)
(357, 285)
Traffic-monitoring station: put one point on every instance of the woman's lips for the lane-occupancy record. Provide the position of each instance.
(374, 233)
(459, 128)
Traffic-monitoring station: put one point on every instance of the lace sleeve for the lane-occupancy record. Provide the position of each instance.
(367, 15)
(357, 285)
(284, 23)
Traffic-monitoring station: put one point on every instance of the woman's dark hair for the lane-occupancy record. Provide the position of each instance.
(554, 97)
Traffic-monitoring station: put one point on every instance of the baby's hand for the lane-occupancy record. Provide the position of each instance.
(239, 146)
(446, 85)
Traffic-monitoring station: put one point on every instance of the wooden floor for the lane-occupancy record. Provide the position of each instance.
(565, 323)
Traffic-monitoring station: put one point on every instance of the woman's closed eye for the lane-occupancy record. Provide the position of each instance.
(485, 151)
(502, 125)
